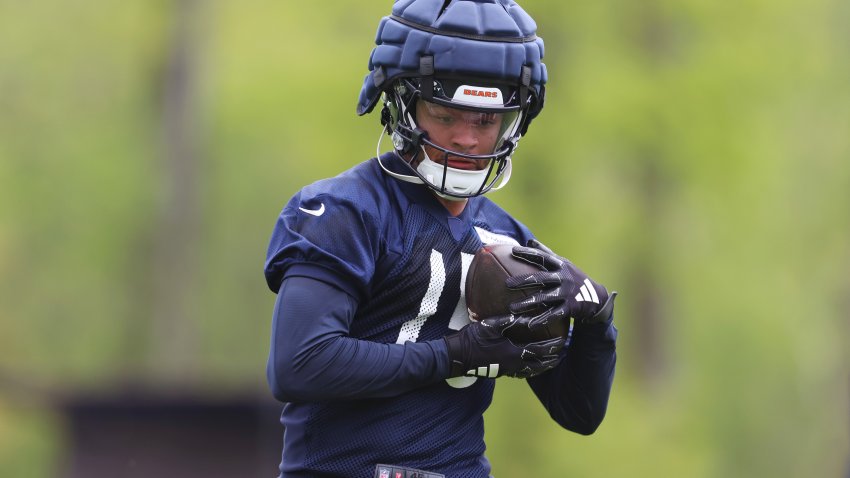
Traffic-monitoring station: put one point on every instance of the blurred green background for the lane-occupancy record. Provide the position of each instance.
(694, 155)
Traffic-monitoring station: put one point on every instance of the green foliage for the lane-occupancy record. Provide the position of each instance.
(713, 137)
(29, 444)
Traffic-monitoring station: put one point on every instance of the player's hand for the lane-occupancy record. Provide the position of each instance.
(480, 349)
(564, 289)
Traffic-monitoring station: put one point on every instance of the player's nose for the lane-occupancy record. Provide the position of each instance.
(464, 138)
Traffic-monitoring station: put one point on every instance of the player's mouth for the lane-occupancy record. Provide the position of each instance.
(465, 164)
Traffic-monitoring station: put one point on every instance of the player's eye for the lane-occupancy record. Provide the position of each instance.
(486, 120)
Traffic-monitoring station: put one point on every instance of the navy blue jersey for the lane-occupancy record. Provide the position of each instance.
(401, 261)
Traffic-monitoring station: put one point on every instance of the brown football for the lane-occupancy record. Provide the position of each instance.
(488, 296)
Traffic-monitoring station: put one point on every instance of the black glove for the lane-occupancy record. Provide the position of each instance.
(565, 291)
(480, 350)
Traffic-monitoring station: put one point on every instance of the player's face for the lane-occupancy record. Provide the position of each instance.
(468, 132)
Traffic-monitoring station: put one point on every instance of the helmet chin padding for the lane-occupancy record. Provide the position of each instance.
(451, 183)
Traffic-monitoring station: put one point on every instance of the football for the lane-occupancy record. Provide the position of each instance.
(488, 296)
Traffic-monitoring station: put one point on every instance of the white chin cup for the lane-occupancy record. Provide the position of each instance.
(458, 181)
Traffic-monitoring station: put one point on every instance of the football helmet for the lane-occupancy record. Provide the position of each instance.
(472, 62)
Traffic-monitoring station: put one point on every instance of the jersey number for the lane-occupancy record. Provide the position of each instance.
(428, 307)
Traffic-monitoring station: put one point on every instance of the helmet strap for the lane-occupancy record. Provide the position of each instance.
(402, 177)
(426, 72)
(524, 82)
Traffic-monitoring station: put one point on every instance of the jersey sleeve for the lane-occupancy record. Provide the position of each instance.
(312, 358)
(576, 392)
(325, 236)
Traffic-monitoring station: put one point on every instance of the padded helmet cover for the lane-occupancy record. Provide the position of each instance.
(489, 40)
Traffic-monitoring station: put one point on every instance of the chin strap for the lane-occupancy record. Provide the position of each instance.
(506, 176)
(402, 177)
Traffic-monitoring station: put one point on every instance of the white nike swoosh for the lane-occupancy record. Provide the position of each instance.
(315, 212)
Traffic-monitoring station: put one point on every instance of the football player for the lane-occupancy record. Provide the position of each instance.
(372, 353)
